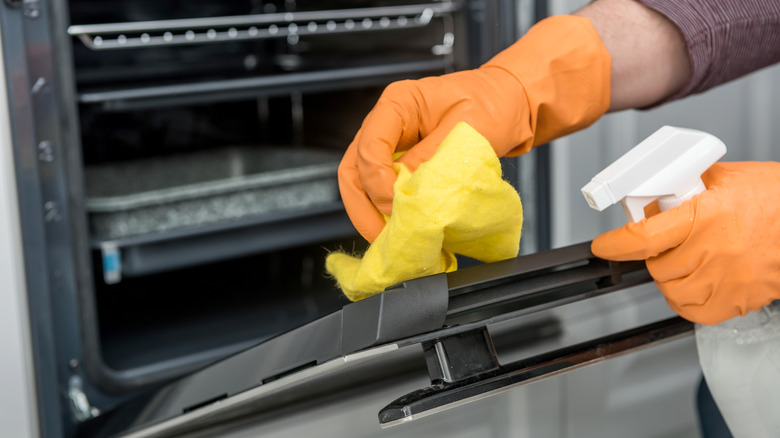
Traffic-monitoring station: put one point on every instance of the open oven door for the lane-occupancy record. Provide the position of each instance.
(446, 316)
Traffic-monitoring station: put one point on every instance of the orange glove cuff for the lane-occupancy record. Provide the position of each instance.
(565, 71)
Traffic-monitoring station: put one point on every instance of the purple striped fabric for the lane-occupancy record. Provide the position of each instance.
(726, 39)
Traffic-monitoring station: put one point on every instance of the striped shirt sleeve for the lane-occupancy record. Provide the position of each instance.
(726, 39)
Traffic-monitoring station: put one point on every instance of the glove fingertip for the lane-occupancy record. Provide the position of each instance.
(385, 207)
(612, 245)
(365, 217)
(648, 237)
(369, 227)
(424, 150)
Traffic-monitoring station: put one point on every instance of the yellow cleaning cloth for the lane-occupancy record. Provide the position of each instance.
(456, 202)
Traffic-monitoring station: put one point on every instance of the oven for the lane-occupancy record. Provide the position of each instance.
(176, 169)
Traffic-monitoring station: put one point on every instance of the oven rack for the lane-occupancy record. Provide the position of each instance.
(142, 255)
(133, 98)
(159, 214)
(290, 25)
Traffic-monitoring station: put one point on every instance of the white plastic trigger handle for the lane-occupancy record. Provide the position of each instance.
(665, 167)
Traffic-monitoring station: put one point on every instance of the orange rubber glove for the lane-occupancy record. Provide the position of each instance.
(716, 256)
(553, 81)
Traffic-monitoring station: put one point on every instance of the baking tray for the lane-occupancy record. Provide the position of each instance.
(165, 193)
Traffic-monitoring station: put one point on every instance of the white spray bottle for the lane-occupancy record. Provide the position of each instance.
(740, 358)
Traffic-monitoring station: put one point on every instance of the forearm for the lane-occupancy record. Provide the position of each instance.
(667, 49)
(649, 57)
(725, 39)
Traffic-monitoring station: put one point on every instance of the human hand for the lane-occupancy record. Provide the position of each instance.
(716, 256)
(553, 81)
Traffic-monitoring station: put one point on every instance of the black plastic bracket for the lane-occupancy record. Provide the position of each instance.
(410, 308)
(460, 356)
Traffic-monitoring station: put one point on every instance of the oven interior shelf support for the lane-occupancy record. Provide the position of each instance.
(262, 86)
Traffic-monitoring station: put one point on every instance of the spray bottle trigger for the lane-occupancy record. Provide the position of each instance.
(666, 166)
(694, 188)
(634, 206)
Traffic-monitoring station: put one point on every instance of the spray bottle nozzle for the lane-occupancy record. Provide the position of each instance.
(666, 167)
